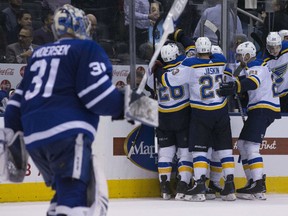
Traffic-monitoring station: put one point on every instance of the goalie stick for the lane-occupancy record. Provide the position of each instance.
(168, 27)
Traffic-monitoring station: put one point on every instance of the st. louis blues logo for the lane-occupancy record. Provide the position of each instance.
(279, 73)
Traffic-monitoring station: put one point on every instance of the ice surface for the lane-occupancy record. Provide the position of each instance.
(275, 205)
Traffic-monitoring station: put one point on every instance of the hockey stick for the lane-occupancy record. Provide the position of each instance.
(134, 143)
(168, 27)
(213, 28)
(236, 74)
(240, 107)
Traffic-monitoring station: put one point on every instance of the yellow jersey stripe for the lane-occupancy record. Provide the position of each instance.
(215, 107)
(174, 109)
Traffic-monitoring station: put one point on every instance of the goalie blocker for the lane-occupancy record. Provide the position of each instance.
(13, 156)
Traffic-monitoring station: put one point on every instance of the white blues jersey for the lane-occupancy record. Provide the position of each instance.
(279, 67)
(203, 77)
(173, 102)
(67, 83)
(262, 97)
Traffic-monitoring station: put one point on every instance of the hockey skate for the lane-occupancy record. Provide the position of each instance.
(228, 192)
(257, 190)
(165, 188)
(197, 192)
(213, 191)
(181, 190)
(242, 193)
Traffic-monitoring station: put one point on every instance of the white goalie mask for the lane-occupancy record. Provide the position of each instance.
(216, 49)
(72, 21)
(169, 52)
(245, 48)
(203, 45)
(274, 43)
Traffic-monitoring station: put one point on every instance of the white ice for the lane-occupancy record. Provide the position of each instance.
(275, 205)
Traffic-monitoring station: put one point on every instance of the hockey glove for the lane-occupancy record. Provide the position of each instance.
(157, 66)
(139, 107)
(226, 89)
(176, 35)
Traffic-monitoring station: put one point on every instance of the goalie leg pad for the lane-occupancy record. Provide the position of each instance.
(3, 160)
(97, 196)
(17, 158)
(13, 156)
(76, 211)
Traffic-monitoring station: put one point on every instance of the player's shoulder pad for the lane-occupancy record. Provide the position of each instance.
(189, 62)
(256, 62)
(228, 71)
(217, 57)
(260, 55)
(284, 47)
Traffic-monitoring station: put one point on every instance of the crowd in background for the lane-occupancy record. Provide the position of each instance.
(110, 24)
(26, 24)
(110, 20)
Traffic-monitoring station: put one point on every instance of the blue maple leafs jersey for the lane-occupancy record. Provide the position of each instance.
(65, 88)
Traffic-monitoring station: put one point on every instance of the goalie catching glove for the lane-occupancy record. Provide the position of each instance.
(139, 107)
(229, 88)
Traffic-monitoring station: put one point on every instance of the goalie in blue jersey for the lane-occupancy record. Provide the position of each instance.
(66, 87)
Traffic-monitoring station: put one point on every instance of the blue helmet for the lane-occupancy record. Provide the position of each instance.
(72, 21)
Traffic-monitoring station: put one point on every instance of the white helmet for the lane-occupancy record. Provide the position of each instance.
(246, 48)
(274, 43)
(216, 49)
(203, 45)
(283, 33)
(169, 52)
(71, 20)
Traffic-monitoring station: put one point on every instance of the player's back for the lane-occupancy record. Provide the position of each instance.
(264, 96)
(205, 77)
(62, 88)
(173, 103)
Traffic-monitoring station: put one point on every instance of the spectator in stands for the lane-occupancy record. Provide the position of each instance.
(44, 34)
(20, 51)
(93, 21)
(54, 4)
(5, 87)
(24, 18)
(3, 40)
(11, 15)
(278, 19)
(21, 72)
(213, 14)
(140, 71)
(143, 20)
